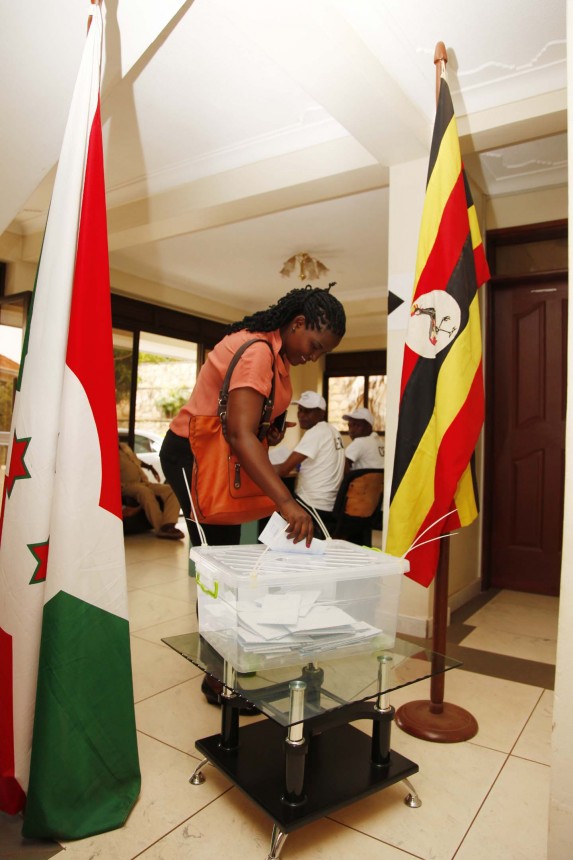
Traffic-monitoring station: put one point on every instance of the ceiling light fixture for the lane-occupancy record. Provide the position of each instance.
(309, 268)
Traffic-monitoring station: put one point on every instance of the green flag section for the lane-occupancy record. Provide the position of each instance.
(441, 398)
(82, 784)
(68, 752)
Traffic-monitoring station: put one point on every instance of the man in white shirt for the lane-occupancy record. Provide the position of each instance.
(319, 457)
(366, 451)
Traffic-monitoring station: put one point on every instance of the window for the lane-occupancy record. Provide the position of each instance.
(531, 248)
(13, 317)
(157, 354)
(165, 371)
(355, 379)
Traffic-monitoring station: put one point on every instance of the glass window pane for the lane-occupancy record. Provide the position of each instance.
(345, 394)
(12, 321)
(166, 374)
(122, 356)
(542, 256)
(377, 400)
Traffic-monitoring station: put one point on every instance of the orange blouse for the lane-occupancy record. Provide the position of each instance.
(252, 371)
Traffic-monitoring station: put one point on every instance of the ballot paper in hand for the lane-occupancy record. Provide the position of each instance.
(274, 536)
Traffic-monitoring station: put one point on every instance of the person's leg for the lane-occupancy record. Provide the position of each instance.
(176, 456)
(222, 535)
(327, 517)
(145, 496)
(170, 503)
(176, 459)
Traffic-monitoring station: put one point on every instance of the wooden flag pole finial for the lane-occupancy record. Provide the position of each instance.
(440, 61)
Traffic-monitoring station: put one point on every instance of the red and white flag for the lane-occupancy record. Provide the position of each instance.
(68, 750)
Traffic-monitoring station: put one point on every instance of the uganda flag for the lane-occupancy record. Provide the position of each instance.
(68, 747)
(441, 396)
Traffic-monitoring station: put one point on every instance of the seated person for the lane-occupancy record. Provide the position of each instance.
(319, 457)
(366, 450)
(135, 483)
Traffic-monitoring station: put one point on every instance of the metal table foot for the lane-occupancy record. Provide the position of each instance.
(278, 839)
(198, 777)
(412, 800)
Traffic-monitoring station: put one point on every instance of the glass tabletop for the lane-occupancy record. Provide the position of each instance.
(328, 684)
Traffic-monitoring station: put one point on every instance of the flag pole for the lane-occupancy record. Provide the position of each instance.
(440, 61)
(433, 719)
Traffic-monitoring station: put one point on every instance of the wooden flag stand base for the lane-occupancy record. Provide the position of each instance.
(433, 719)
(449, 725)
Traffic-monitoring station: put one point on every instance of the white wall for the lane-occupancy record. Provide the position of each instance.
(561, 792)
(407, 189)
(532, 208)
(20, 277)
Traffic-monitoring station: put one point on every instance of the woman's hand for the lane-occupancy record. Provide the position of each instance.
(300, 523)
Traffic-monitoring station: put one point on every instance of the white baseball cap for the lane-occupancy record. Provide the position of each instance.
(311, 400)
(361, 414)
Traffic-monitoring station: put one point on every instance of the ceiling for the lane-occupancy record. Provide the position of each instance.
(239, 133)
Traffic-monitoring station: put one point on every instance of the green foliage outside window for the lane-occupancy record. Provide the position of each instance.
(173, 401)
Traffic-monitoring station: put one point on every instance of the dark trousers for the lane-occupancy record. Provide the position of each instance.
(176, 457)
(327, 517)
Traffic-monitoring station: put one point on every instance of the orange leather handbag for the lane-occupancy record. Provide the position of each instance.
(222, 491)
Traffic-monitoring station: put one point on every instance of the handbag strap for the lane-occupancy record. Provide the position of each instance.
(224, 392)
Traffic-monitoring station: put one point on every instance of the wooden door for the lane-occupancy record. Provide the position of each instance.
(526, 415)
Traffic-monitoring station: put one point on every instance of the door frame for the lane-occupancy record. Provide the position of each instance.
(494, 240)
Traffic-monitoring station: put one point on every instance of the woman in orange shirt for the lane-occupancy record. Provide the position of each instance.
(302, 326)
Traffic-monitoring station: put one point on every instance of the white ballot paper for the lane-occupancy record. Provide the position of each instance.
(273, 535)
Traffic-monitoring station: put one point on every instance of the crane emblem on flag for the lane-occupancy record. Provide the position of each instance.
(435, 328)
(438, 316)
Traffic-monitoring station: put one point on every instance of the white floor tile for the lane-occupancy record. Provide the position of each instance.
(143, 574)
(496, 641)
(180, 716)
(156, 668)
(499, 726)
(452, 782)
(233, 827)
(147, 608)
(513, 822)
(533, 615)
(167, 800)
(146, 547)
(183, 588)
(173, 627)
(535, 741)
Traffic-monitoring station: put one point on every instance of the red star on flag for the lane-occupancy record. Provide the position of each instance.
(40, 553)
(17, 466)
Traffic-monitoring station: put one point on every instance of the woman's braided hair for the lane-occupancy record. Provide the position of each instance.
(318, 306)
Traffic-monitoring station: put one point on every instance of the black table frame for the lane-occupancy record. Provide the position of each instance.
(333, 764)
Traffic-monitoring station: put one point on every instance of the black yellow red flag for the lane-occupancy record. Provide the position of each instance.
(441, 397)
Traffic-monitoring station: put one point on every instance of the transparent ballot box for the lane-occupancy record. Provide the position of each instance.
(262, 608)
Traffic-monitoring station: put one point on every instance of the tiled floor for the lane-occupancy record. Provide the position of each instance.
(484, 799)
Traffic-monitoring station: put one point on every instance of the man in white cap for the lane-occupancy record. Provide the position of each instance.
(319, 457)
(366, 451)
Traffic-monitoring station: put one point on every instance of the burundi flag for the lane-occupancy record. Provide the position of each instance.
(68, 751)
(441, 398)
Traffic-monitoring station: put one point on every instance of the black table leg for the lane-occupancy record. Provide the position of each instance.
(381, 729)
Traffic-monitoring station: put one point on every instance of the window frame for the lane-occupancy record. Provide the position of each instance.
(357, 364)
(135, 316)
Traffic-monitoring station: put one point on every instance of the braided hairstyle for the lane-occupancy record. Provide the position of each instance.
(318, 306)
